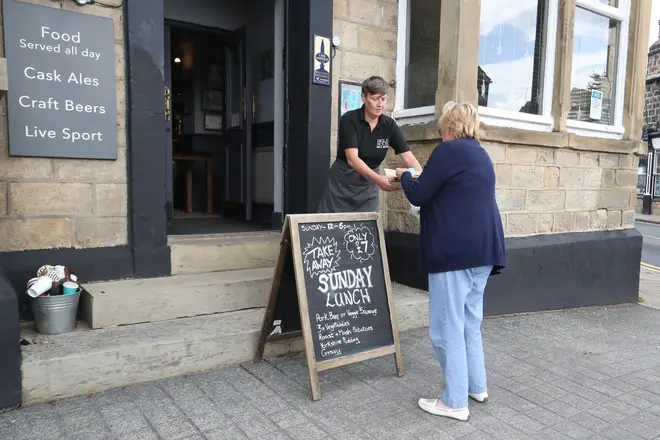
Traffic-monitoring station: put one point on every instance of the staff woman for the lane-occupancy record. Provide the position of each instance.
(462, 244)
(365, 135)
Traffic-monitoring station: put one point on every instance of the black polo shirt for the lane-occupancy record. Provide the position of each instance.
(355, 132)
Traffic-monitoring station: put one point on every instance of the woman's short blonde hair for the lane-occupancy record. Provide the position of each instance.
(461, 118)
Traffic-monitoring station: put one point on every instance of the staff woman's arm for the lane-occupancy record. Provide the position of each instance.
(363, 170)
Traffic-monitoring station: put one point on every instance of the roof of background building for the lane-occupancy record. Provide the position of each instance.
(655, 47)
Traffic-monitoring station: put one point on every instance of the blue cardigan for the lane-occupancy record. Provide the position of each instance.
(461, 227)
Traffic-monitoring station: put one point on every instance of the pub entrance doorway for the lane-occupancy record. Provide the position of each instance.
(224, 92)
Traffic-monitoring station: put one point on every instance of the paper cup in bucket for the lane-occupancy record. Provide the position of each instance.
(39, 286)
(69, 288)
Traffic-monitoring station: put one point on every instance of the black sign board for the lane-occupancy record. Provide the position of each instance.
(62, 97)
(331, 285)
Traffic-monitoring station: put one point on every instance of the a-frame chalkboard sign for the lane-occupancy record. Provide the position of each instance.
(332, 286)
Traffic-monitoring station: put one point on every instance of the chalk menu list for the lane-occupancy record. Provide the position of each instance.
(62, 86)
(345, 288)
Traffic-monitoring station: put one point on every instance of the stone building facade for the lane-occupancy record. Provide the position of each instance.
(547, 182)
(66, 203)
(561, 187)
(558, 180)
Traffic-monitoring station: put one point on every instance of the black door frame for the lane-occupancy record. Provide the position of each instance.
(167, 70)
(307, 132)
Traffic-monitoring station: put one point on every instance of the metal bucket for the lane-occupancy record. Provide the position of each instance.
(55, 314)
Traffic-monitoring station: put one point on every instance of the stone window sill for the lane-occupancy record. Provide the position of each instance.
(428, 132)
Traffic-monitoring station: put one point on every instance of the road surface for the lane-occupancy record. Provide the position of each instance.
(651, 249)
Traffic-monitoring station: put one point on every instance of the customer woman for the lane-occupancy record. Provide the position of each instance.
(461, 244)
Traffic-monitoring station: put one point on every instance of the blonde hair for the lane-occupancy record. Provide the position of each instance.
(461, 118)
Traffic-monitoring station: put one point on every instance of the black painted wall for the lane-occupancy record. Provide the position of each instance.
(146, 131)
(10, 349)
(544, 272)
(307, 156)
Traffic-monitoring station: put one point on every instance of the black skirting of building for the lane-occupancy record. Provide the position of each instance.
(544, 272)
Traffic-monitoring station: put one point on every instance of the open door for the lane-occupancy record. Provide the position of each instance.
(240, 108)
(169, 167)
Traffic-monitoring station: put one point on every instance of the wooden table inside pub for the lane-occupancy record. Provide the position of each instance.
(191, 159)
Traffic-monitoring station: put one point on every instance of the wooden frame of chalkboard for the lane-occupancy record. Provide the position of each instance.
(341, 281)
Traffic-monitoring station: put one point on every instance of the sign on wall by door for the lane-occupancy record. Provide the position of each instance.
(62, 98)
(321, 61)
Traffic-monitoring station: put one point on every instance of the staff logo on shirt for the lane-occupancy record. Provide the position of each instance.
(382, 143)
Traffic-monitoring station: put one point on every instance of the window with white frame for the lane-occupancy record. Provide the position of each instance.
(423, 53)
(598, 67)
(516, 61)
(517, 45)
(417, 56)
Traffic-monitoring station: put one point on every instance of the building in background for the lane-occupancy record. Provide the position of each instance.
(648, 183)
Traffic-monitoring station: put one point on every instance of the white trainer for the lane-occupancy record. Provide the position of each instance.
(438, 408)
(480, 397)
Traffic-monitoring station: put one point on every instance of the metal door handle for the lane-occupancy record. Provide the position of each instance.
(168, 111)
(244, 103)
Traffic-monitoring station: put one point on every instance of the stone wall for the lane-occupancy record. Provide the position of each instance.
(652, 96)
(62, 203)
(653, 62)
(542, 190)
(652, 103)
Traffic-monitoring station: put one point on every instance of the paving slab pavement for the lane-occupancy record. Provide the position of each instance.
(591, 373)
(648, 218)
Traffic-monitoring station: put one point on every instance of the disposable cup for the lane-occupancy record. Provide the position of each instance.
(41, 286)
(69, 288)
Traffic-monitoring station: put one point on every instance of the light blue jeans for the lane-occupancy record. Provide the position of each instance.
(456, 309)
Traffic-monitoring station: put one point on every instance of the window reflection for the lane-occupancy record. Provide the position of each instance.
(593, 75)
(511, 54)
(423, 53)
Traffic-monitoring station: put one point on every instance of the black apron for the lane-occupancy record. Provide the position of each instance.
(348, 191)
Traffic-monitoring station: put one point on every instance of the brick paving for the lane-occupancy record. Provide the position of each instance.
(591, 373)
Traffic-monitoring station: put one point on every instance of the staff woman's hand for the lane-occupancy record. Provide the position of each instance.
(383, 183)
